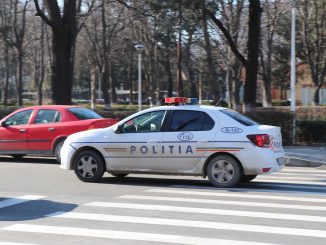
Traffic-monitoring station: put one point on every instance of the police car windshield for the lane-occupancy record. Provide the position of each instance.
(244, 120)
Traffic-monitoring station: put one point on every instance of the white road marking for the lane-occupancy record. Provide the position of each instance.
(303, 183)
(192, 223)
(302, 170)
(290, 178)
(124, 235)
(238, 195)
(224, 202)
(15, 243)
(258, 188)
(299, 175)
(18, 200)
(227, 212)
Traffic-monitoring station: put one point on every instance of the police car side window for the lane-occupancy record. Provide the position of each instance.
(145, 123)
(191, 121)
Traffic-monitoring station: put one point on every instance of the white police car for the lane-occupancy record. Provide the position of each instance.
(177, 139)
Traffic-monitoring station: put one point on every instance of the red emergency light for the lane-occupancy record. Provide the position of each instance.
(175, 100)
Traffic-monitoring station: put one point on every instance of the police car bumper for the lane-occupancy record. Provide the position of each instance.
(66, 154)
(262, 161)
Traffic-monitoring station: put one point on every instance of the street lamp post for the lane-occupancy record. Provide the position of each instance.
(293, 71)
(139, 47)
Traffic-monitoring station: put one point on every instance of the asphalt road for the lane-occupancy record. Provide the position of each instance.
(43, 204)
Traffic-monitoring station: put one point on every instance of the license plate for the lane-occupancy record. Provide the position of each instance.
(275, 145)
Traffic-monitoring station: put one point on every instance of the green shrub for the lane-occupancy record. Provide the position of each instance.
(6, 112)
(281, 103)
(117, 113)
(311, 132)
(274, 117)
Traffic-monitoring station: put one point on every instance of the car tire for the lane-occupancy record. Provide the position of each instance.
(247, 178)
(119, 175)
(223, 171)
(57, 150)
(89, 166)
(18, 156)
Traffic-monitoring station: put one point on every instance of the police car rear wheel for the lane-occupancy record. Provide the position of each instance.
(223, 171)
(89, 166)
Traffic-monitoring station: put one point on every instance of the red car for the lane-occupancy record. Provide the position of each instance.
(41, 130)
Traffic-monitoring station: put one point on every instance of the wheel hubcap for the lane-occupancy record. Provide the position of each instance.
(87, 166)
(222, 171)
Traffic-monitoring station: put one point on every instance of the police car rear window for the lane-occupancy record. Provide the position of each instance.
(186, 120)
(244, 120)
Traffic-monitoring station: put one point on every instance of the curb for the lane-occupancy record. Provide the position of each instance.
(299, 162)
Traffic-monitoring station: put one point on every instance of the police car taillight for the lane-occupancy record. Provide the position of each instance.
(260, 140)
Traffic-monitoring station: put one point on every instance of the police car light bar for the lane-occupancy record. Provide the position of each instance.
(180, 100)
(175, 100)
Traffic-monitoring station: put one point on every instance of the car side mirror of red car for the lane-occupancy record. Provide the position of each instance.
(3, 124)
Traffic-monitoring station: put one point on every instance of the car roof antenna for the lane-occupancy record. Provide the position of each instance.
(218, 101)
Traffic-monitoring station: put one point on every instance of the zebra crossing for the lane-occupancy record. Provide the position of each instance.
(274, 213)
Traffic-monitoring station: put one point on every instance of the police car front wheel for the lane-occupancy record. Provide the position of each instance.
(89, 166)
(223, 171)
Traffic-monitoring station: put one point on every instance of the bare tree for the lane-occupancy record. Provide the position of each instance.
(212, 75)
(233, 13)
(102, 30)
(251, 63)
(38, 54)
(313, 34)
(65, 28)
(5, 32)
(13, 32)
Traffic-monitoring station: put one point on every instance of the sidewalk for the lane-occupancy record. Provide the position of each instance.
(305, 156)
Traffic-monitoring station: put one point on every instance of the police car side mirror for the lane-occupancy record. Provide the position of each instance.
(118, 129)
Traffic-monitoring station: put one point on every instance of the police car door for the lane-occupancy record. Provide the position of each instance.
(136, 146)
(185, 144)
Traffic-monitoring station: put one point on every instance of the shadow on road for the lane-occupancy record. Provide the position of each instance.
(29, 159)
(32, 210)
(204, 184)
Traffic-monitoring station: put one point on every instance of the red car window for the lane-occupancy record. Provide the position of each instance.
(47, 116)
(84, 113)
(19, 118)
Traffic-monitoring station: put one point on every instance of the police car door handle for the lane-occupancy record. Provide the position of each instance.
(152, 141)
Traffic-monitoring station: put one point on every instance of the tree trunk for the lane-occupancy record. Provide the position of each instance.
(179, 52)
(42, 67)
(105, 85)
(64, 27)
(316, 95)
(20, 76)
(253, 54)
(130, 70)
(212, 77)
(7, 75)
(93, 87)
(62, 67)
(236, 84)
(167, 67)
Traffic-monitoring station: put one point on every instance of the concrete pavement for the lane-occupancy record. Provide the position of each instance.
(305, 156)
